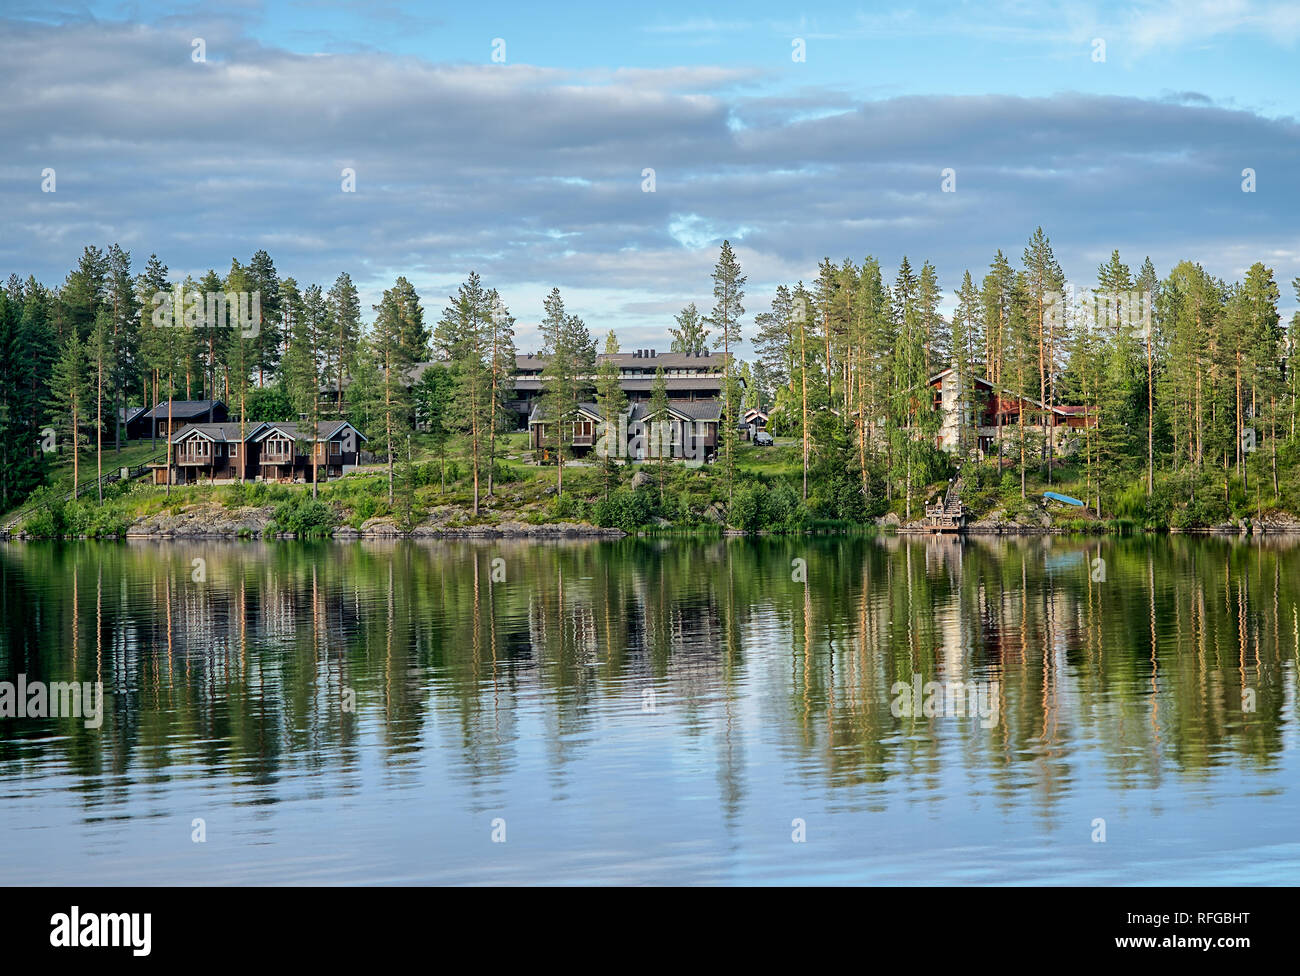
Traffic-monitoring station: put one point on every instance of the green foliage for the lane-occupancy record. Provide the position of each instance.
(271, 403)
(625, 509)
(304, 516)
(566, 508)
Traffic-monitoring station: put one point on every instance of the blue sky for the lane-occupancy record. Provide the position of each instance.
(530, 170)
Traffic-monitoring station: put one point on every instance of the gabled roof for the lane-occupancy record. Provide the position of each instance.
(590, 410)
(325, 430)
(229, 432)
(218, 433)
(977, 380)
(181, 409)
(1068, 411)
(698, 411)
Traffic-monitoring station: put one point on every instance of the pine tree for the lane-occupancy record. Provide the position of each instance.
(1148, 289)
(611, 402)
(661, 426)
(307, 323)
(571, 358)
(124, 346)
(69, 396)
(996, 297)
(965, 343)
(266, 344)
(728, 307)
(345, 317)
(774, 337)
(463, 335)
(501, 365)
(240, 353)
(398, 321)
(1043, 282)
(99, 351)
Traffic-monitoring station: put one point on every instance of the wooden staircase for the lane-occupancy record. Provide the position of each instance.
(950, 514)
(16, 518)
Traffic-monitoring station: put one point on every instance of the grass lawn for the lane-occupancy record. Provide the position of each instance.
(134, 453)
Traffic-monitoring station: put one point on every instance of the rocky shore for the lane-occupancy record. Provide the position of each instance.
(214, 522)
(998, 522)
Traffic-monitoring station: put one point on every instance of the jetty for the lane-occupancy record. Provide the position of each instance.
(948, 515)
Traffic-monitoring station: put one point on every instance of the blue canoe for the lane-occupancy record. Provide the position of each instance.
(1056, 497)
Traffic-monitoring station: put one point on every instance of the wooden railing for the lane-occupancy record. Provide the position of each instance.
(16, 519)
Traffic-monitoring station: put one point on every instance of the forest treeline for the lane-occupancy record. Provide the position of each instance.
(1186, 375)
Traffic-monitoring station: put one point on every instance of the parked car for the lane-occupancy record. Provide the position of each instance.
(763, 439)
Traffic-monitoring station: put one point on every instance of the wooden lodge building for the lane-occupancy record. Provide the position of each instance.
(689, 376)
(173, 416)
(267, 451)
(692, 431)
(989, 413)
(693, 381)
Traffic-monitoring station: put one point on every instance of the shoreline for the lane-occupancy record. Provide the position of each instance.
(189, 530)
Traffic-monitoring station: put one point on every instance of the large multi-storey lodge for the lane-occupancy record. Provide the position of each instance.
(693, 380)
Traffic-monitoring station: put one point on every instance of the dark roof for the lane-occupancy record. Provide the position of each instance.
(221, 433)
(128, 414)
(228, 432)
(538, 414)
(695, 410)
(704, 381)
(698, 410)
(639, 384)
(325, 429)
(702, 361)
(184, 408)
(668, 360)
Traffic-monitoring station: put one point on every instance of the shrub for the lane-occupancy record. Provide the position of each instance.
(304, 516)
(747, 507)
(624, 509)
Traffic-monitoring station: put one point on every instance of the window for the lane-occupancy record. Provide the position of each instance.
(234, 450)
(335, 448)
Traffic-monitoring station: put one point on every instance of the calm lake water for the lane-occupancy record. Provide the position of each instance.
(655, 712)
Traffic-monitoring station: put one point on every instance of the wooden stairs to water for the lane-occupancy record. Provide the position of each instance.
(948, 515)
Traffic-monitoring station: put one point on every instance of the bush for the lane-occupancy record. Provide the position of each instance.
(624, 509)
(747, 507)
(566, 507)
(777, 507)
(47, 521)
(304, 516)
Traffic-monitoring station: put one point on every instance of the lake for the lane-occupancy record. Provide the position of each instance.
(811, 710)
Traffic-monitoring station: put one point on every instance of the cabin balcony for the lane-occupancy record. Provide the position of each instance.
(583, 440)
(277, 458)
(190, 459)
